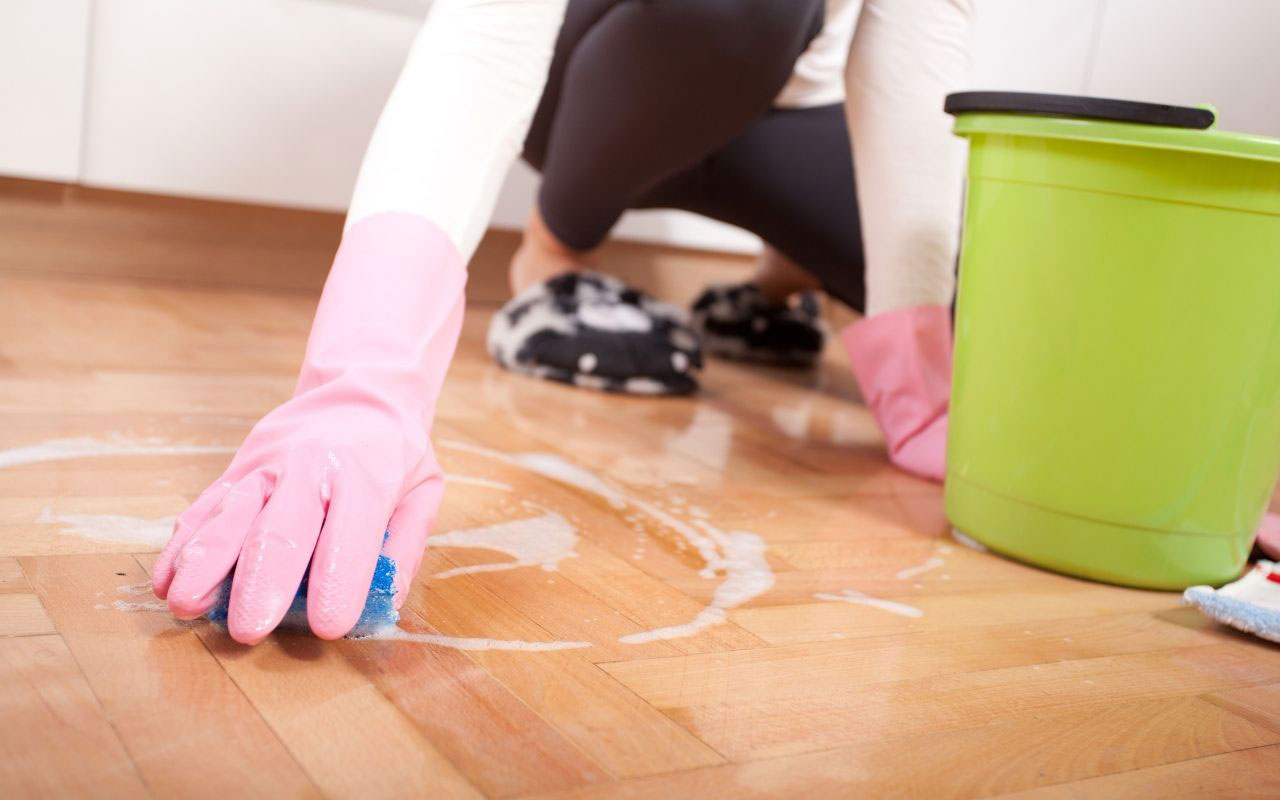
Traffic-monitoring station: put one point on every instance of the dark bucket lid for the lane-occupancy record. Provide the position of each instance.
(1066, 105)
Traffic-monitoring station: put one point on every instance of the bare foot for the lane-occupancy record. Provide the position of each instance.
(779, 277)
(542, 256)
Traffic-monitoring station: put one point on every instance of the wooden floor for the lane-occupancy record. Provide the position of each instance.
(119, 402)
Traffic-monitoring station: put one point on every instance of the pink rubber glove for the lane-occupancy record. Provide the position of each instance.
(902, 360)
(321, 477)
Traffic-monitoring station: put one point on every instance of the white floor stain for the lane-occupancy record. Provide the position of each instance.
(541, 541)
(858, 598)
(793, 420)
(468, 480)
(846, 430)
(739, 555)
(86, 446)
(472, 643)
(151, 533)
(706, 618)
(708, 440)
(910, 572)
(145, 605)
(968, 541)
(538, 541)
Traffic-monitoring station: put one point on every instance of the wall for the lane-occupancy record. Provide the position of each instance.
(271, 101)
(43, 46)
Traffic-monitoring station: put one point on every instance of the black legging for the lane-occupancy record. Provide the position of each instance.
(668, 104)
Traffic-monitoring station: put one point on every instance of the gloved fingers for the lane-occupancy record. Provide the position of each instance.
(408, 529)
(346, 555)
(208, 555)
(183, 527)
(275, 554)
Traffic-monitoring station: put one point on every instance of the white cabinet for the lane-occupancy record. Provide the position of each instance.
(42, 71)
(272, 101)
(268, 101)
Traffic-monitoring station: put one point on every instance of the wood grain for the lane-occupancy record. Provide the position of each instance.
(52, 718)
(21, 613)
(188, 728)
(126, 318)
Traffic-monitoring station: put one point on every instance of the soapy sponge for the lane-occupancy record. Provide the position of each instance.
(1251, 604)
(379, 610)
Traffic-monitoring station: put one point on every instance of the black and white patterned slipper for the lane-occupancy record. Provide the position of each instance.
(593, 331)
(735, 321)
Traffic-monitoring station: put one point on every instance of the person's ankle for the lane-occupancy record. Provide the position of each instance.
(778, 277)
(541, 256)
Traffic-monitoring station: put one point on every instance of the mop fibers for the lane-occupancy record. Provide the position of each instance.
(1251, 604)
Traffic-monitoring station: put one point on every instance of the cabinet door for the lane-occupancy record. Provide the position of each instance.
(268, 101)
(42, 70)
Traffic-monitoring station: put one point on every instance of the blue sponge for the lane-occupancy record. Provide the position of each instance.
(379, 611)
(1251, 604)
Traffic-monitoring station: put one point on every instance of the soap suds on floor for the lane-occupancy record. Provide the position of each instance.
(550, 465)
(135, 588)
(87, 446)
(151, 533)
(145, 605)
(845, 430)
(469, 642)
(740, 555)
(793, 420)
(968, 541)
(707, 440)
(705, 619)
(910, 572)
(858, 598)
(533, 542)
(468, 480)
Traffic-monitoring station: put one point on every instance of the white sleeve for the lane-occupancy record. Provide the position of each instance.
(458, 115)
(905, 57)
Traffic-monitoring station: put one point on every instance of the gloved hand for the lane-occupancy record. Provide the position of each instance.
(902, 360)
(320, 478)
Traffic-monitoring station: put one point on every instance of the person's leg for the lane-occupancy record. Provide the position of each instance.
(788, 178)
(640, 91)
(779, 277)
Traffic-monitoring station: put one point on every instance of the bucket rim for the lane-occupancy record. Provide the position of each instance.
(1207, 142)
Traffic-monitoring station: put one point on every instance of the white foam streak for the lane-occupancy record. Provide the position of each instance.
(910, 572)
(858, 598)
(87, 446)
(740, 555)
(548, 464)
(968, 541)
(472, 643)
(534, 542)
(119, 528)
(793, 420)
(706, 618)
(145, 605)
(467, 480)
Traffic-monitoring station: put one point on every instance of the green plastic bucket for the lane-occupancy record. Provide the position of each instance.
(1115, 409)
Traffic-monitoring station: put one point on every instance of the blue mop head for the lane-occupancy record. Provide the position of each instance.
(379, 611)
(1251, 604)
